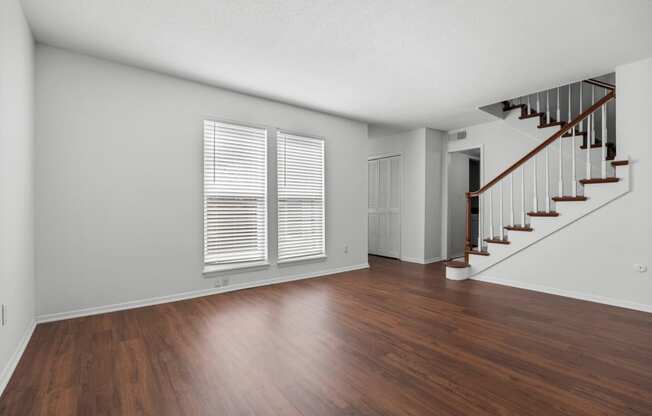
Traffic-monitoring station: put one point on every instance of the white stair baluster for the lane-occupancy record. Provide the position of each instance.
(573, 177)
(480, 222)
(547, 106)
(560, 169)
(523, 195)
(500, 219)
(604, 140)
(535, 203)
(511, 199)
(538, 102)
(547, 170)
(573, 169)
(529, 106)
(581, 124)
(594, 138)
(570, 101)
(588, 148)
(491, 214)
(558, 108)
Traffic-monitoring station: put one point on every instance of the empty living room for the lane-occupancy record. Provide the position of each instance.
(306, 208)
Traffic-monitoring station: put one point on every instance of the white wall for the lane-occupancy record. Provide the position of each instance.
(502, 145)
(434, 170)
(119, 185)
(594, 257)
(421, 150)
(16, 180)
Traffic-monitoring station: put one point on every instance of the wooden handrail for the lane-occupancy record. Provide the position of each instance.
(544, 144)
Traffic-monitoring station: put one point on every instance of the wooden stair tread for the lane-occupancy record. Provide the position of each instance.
(599, 180)
(569, 198)
(543, 214)
(457, 264)
(510, 107)
(519, 228)
(478, 253)
(531, 115)
(597, 145)
(496, 241)
(620, 163)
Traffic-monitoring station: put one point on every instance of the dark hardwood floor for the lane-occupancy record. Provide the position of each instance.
(397, 339)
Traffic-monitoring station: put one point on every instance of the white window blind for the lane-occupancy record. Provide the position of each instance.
(301, 230)
(235, 193)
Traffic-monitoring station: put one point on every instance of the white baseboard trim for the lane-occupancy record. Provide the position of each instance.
(59, 316)
(9, 369)
(566, 293)
(421, 261)
(432, 260)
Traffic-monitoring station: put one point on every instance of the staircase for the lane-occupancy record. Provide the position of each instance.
(572, 172)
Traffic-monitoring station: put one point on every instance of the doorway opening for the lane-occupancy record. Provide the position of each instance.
(384, 206)
(464, 175)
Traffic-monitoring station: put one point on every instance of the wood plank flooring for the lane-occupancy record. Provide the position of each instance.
(397, 339)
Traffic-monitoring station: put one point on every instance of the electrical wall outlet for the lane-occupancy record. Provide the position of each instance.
(221, 282)
(346, 248)
(3, 312)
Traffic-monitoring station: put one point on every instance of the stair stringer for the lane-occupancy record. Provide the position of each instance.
(598, 196)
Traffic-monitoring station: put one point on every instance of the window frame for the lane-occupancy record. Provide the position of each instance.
(209, 268)
(324, 254)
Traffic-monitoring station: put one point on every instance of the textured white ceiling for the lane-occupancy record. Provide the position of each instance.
(403, 63)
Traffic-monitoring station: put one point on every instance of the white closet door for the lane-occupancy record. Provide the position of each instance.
(384, 206)
(384, 172)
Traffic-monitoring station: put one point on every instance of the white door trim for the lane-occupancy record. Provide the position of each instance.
(446, 164)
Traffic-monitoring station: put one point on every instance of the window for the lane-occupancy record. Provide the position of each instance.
(300, 197)
(235, 194)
